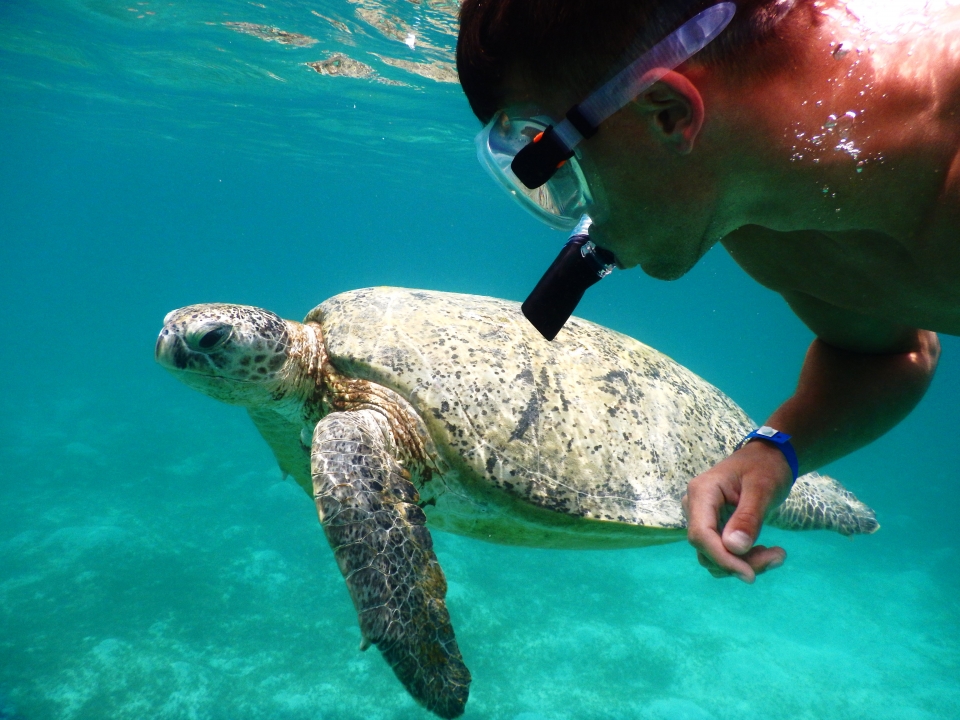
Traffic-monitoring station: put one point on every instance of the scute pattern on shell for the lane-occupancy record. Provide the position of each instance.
(594, 424)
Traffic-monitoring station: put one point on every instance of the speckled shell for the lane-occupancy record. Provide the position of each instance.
(594, 424)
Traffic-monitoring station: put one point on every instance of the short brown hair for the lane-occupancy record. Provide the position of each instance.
(575, 42)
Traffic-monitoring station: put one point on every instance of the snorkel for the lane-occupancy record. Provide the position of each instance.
(541, 172)
(578, 266)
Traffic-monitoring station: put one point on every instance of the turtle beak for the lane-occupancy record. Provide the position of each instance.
(169, 351)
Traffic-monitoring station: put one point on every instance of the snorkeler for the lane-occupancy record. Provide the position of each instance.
(817, 140)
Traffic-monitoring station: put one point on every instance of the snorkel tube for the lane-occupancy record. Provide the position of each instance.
(578, 266)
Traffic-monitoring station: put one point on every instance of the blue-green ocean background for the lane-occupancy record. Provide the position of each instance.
(153, 564)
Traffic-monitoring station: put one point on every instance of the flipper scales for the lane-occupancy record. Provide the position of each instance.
(369, 513)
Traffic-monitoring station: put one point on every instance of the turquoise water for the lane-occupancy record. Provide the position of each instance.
(153, 564)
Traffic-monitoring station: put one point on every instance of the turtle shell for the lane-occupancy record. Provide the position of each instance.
(594, 424)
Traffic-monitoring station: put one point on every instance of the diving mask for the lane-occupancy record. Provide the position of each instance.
(537, 162)
(559, 202)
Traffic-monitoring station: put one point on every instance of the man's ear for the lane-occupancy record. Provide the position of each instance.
(675, 110)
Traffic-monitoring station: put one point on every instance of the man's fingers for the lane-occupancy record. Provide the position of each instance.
(749, 481)
(702, 507)
(740, 541)
(721, 563)
(712, 567)
(760, 487)
(762, 558)
(743, 527)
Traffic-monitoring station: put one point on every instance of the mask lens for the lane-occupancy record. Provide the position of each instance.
(567, 191)
(562, 200)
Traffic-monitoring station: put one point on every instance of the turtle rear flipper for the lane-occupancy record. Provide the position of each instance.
(378, 534)
(818, 502)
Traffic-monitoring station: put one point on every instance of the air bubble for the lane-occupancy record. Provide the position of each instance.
(844, 123)
(841, 51)
(849, 148)
(830, 123)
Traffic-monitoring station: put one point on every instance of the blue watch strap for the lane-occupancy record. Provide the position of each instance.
(780, 440)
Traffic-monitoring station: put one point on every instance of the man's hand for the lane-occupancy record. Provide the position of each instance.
(752, 481)
(861, 376)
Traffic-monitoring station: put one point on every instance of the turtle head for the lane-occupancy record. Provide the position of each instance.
(235, 353)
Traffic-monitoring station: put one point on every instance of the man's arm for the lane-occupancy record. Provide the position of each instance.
(861, 376)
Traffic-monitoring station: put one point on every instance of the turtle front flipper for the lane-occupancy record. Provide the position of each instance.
(369, 512)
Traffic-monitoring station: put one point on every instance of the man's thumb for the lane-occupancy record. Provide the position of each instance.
(742, 529)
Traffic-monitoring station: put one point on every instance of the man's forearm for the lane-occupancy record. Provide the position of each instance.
(845, 400)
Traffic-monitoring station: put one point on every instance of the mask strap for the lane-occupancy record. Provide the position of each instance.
(536, 163)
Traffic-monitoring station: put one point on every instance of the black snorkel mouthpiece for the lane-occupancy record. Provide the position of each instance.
(578, 266)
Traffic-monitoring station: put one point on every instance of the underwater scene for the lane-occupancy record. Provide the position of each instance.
(154, 561)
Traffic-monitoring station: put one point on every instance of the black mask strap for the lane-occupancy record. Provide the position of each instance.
(537, 161)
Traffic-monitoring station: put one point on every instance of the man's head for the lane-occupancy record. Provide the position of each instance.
(550, 55)
(572, 45)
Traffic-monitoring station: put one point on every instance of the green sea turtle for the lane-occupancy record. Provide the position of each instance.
(398, 408)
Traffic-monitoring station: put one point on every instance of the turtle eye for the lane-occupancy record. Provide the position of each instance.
(209, 339)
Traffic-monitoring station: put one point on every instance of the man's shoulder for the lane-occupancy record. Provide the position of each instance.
(781, 262)
(771, 257)
(855, 268)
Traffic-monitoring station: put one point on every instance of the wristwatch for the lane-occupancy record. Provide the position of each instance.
(778, 439)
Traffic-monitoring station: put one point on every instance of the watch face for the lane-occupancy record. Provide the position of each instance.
(764, 432)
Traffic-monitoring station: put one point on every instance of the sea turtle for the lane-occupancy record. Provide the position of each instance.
(400, 408)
